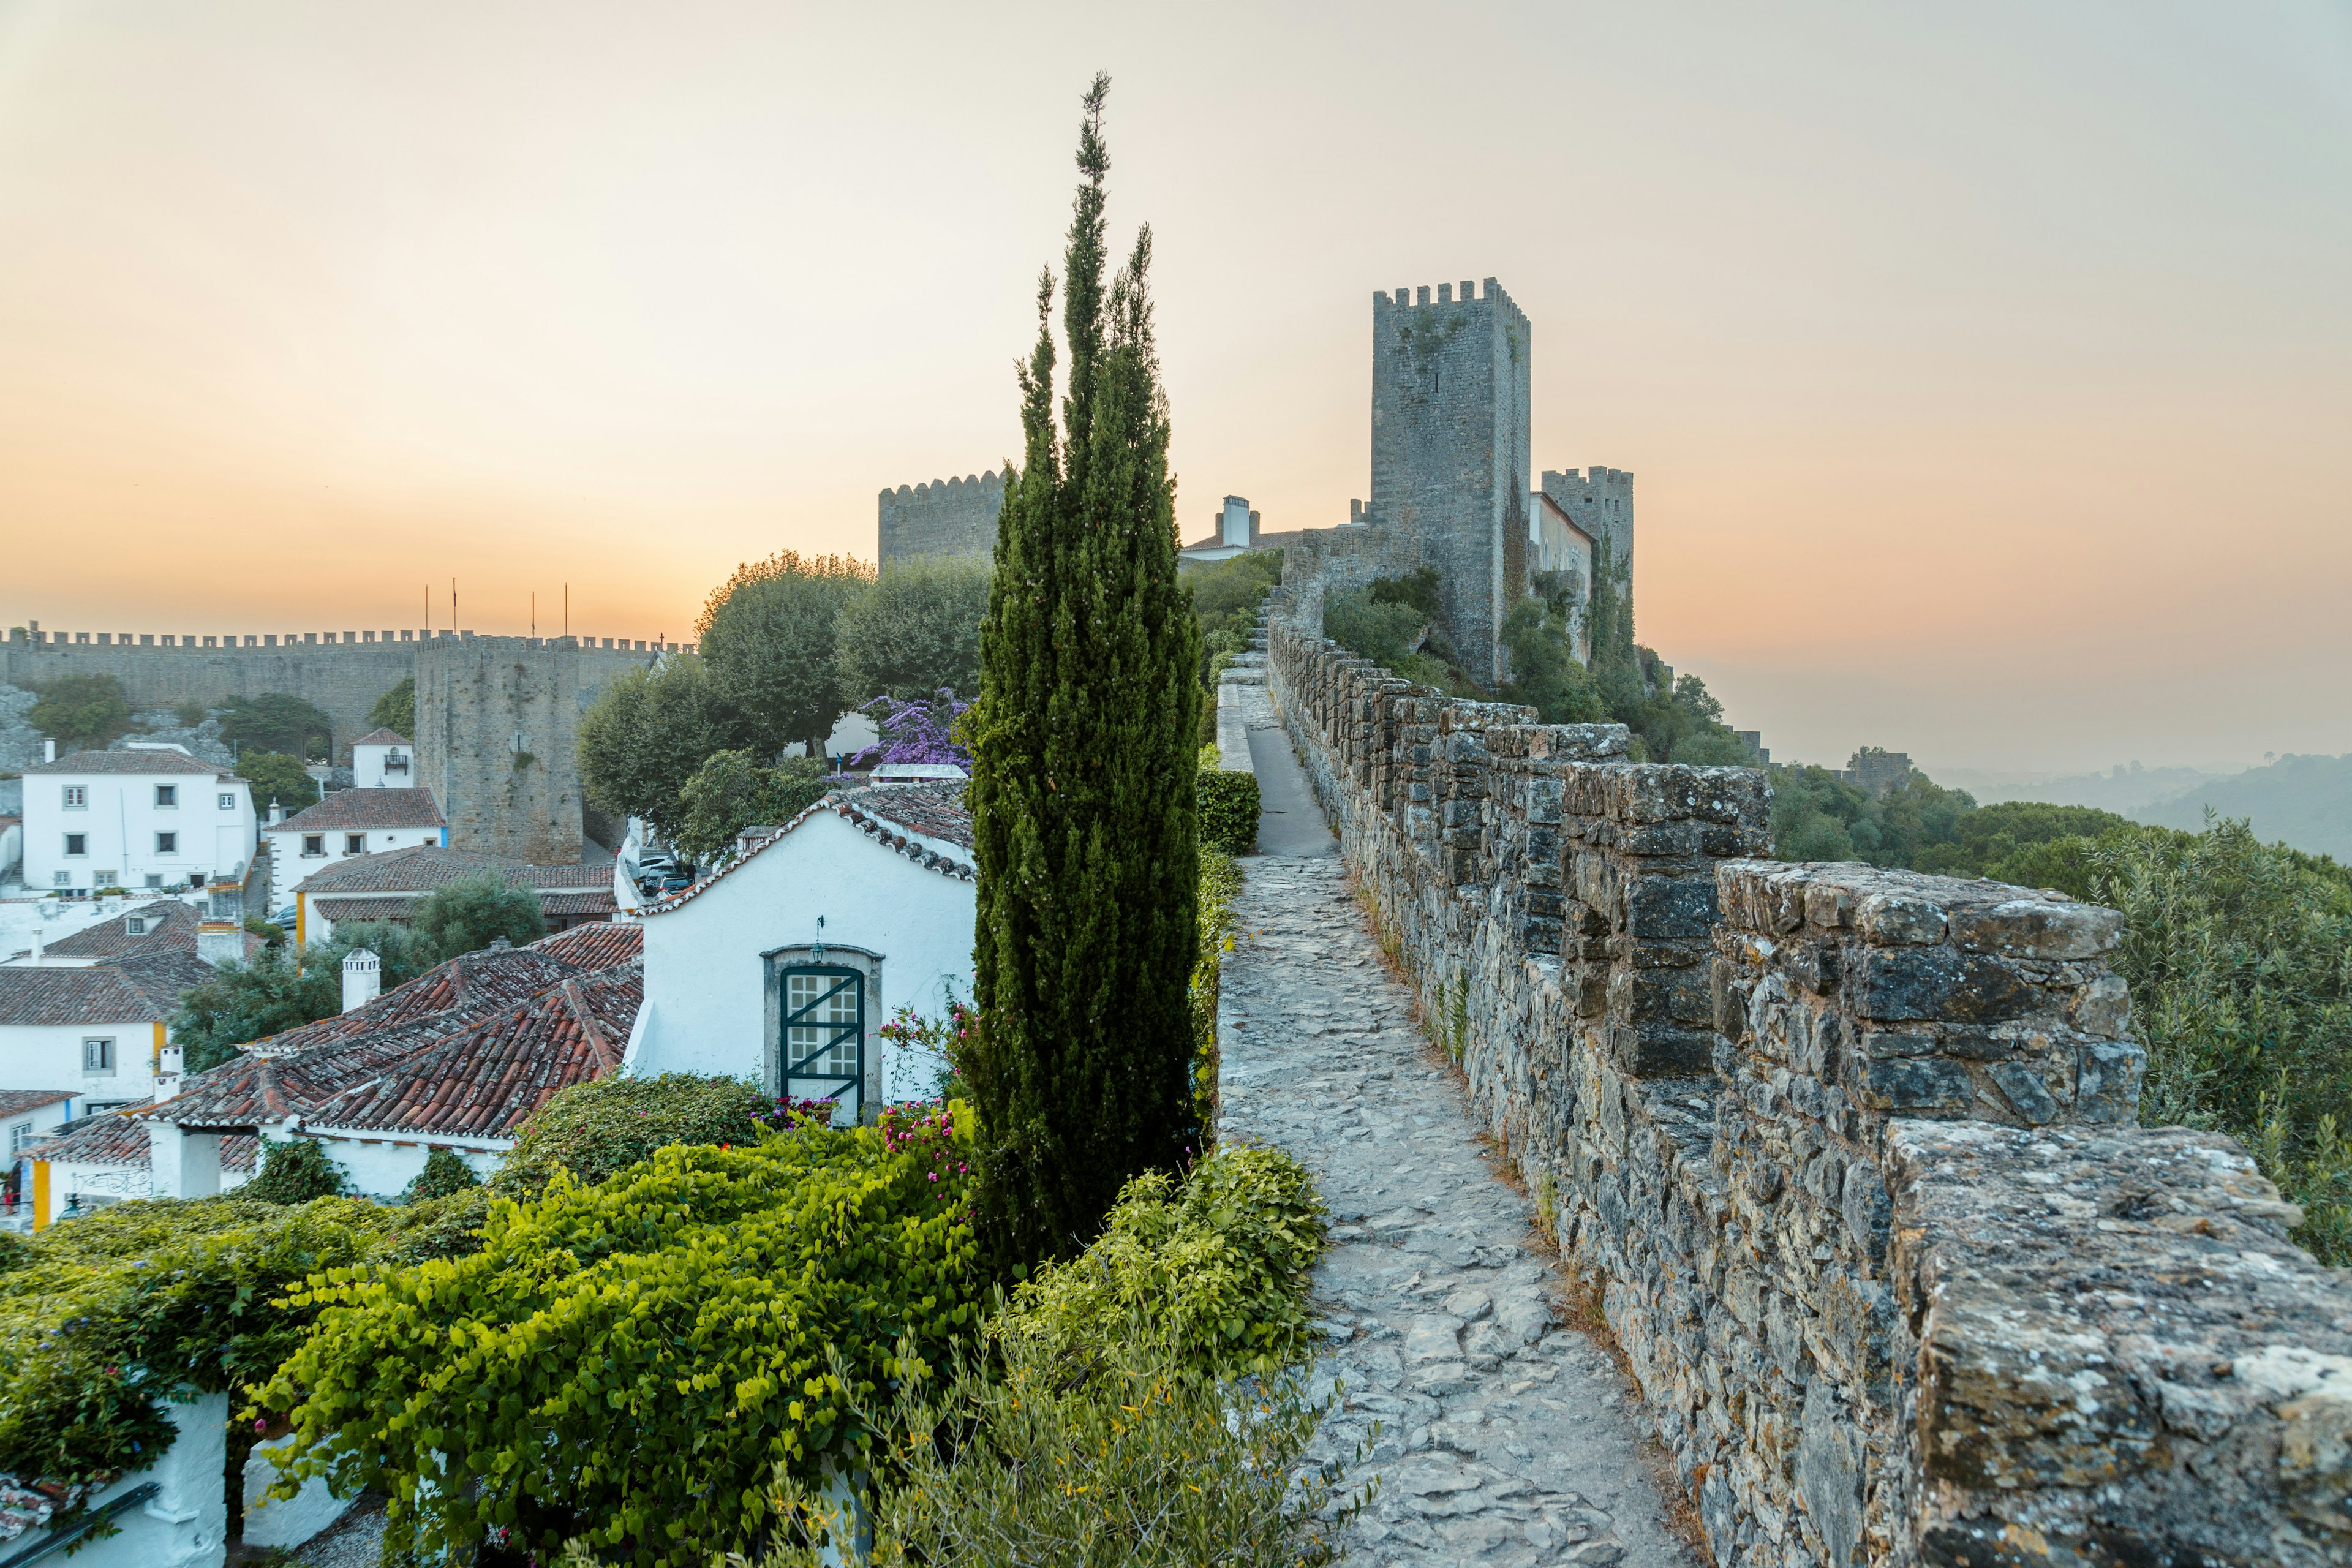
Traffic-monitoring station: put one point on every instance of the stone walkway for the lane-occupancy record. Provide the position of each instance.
(1505, 1437)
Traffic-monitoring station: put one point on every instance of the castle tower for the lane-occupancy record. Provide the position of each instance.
(1599, 502)
(946, 517)
(1451, 450)
(498, 741)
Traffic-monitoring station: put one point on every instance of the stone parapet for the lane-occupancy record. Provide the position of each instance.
(1792, 1123)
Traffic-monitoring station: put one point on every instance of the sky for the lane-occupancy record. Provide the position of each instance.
(1986, 371)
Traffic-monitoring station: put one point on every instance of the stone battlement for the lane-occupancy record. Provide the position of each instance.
(226, 642)
(1849, 1157)
(946, 517)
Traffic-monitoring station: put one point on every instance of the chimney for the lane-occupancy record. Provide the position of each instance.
(220, 942)
(48, 750)
(37, 944)
(362, 978)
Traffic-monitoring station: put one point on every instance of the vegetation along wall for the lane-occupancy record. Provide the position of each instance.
(1848, 1157)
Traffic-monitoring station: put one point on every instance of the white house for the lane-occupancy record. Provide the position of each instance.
(349, 823)
(28, 1116)
(384, 760)
(146, 815)
(102, 1030)
(1562, 544)
(783, 967)
(385, 885)
(104, 1159)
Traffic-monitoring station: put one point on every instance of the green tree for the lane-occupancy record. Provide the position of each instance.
(767, 634)
(468, 915)
(1538, 635)
(295, 1170)
(247, 1002)
(278, 722)
(404, 952)
(1083, 788)
(80, 712)
(1993, 836)
(276, 776)
(732, 792)
(916, 630)
(647, 733)
(443, 1175)
(396, 709)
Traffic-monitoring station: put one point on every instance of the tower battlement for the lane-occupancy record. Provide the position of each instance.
(946, 517)
(1598, 501)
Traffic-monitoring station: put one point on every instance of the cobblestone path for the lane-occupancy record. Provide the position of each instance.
(1506, 1436)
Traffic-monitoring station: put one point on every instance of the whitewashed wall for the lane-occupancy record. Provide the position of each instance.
(185, 1523)
(48, 1056)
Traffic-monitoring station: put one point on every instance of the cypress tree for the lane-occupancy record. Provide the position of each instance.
(1083, 789)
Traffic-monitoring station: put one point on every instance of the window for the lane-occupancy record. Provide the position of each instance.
(19, 1136)
(102, 879)
(77, 796)
(154, 879)
(98, 1056)
(314, 843)
(167, 844)
(354, 843)
(825, 1033)
(77, 843)
(167, 794)
(63, 879)
(135, 924)
(227, 801)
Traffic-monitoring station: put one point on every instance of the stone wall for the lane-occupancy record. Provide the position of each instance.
(1848, 1157)
(1451, 449)
(342, 673)
(946, 517)
(497, 734)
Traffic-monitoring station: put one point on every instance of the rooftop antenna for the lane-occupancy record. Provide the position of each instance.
(534, 612)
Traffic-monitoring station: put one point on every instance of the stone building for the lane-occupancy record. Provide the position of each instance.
(497, 733)
(1599, 502)
(947, 517)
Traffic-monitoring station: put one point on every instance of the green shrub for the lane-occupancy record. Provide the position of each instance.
(1111, 1458)
(81, 712)
(594, 1130)
(443, 1175)
(296, 1171)
(1229, 811)
(449, 1225)
(1217, 1266)
(107, 1316)
(1221, 883)
(396, 709)
(468, 915)
(277, 776)
(631, 1363)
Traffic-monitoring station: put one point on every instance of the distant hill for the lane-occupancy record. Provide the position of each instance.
(2305, 802)
(2126, 790)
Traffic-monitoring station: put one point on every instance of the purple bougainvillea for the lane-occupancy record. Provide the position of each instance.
(914, 732)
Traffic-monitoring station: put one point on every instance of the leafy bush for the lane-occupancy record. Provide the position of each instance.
(276, 776)
(1221, 884)
(914, 631)
(278, 722)
(468, 915)
(295, 1170)
(1816, 816)
(396, 709)
(631, 1363)
(443, 1176)
(1073, 1462)
(404, 952)
(1226, 597)
(1540, 635)
(1990, 834)
(80, 712)
(1216, 1266)
(594, 1130)
(648, 732)
(449, 1225)
(247, 1002)
(732, 792)
(105, 1317)
(1229, 810)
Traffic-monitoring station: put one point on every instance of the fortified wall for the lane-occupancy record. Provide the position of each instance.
(1850, 1158)
(946, 517)
(341, 673)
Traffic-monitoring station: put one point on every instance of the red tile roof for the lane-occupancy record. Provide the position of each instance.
(482, 1083)
(118, 1137)
(15, 1101)
(422, 867)
(142, 988)
(350, 808)
(171, 925)
(381, 737)
(396, 906)
(596, 946)
(134, 763)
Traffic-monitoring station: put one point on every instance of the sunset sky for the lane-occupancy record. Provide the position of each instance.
(1986, 371)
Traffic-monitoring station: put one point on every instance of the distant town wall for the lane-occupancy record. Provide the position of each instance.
(342, 673)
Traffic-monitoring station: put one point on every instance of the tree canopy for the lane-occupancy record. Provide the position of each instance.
(916, 630)
(276, 776)
(278, 722)
(768, 636)
(650, 731)
(80, 712)
(396, 709)
(469, 915)
(732, 792)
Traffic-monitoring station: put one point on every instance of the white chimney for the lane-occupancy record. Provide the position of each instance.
(37, 944)
(220, 942)
(362, 978)
(48, 750)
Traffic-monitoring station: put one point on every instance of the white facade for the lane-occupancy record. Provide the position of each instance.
(380, 1164)
(716, 963)
(19, 1130)
(166, 828)
(383, 765)
(295, 852)
(107, 1064)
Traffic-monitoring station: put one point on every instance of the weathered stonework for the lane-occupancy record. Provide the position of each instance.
(1849, 1155)
(498, 741)
(947, 517)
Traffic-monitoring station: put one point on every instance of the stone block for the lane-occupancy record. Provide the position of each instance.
(1917, 1084)
(2038, 927)
(1893, 983)
(1894, 920)
(1659, 907)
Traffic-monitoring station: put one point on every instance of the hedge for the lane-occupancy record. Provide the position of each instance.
(1229, 811)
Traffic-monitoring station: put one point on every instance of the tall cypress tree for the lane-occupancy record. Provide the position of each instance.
(1083, 781)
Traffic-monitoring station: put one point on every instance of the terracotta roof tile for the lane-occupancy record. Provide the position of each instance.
(596, 946)
(126, 762)
(897, 816)
(118, 1137)
(381, 737)
(17, 1101)
(349, 808)
(424, 866)
(141, 988)
(171, 925)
